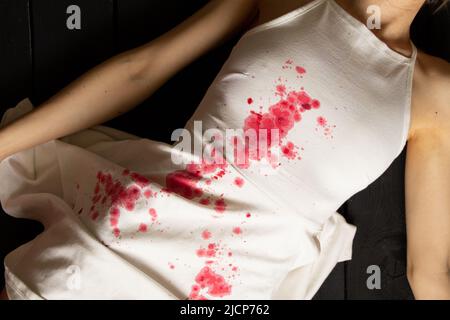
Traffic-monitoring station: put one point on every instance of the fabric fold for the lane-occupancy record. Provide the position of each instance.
(335, 242)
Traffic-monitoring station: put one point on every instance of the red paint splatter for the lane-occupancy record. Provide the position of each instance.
(237, 230)
(321, 121)
(206, 167)
(325, 126)
(120, 195)
(288, 64)
(281, 90)
(220, 205)
(153, 214)
(143, 227)
(140, 179)
(209, 252)
(116, 232)
(206, 234)
(214, 284)
(281, 117)
(184, 184)
(288, 151)
(248, 215)
(205, 201)
(300, 70)
(148, 193)
(250, 101)
(238, 181)
(315, 104)
(194, 295)
(114, 216)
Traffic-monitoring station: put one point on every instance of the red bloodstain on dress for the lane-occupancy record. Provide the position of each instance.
(212, 283)
(208, 252)
(119, 195)
(153, 214)
(323, 124)
(237, 230)
(206, 234)
(143, 227)
(282, 117)
(220, 205)
(300, 70)
(239, 182)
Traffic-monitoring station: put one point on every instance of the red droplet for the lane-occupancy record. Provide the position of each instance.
(321, 121)
(153, 214)
(300, 70)
(206, 234)
(148, 193)
(220, 205)
(143, 227)
(239, 182)
(237, 230)
(116, 232)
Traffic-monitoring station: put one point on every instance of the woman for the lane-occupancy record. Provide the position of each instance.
(124, 220)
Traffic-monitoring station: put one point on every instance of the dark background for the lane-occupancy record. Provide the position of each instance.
(39, 56)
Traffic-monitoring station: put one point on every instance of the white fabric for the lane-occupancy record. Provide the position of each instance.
(273, 233)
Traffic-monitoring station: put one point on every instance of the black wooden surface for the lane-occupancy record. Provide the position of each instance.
(379, 213)
(431, 31)
(39, 56)
(59, 54)
(15, 84)
(15, 52)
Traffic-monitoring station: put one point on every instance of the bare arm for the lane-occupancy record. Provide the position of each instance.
(428, 194)
(428, 215)
(122, 82)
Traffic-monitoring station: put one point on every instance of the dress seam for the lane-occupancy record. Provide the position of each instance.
(289, 16)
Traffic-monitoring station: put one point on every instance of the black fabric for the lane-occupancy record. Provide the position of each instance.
(39, 56)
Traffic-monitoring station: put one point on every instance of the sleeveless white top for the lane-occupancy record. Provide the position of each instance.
(122, 220)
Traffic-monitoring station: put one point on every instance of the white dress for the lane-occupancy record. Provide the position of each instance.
(123, 221)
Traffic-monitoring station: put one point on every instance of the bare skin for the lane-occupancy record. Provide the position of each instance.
(124, 81)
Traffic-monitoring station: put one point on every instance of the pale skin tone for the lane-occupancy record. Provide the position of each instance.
(122, 82)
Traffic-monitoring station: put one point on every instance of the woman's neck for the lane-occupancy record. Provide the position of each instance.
(396, 19)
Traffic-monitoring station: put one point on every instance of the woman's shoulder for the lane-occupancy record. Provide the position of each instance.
(434, 68)
(431, 93)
